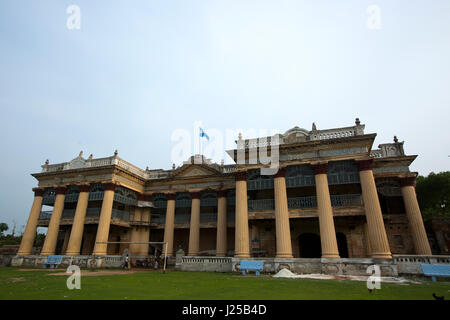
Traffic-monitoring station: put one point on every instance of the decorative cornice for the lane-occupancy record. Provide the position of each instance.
(241, 176)
(407, 181)
(364, 164)
(38, 192)
(171, 196)
(280, 173)
(110, 186)
(61, 190)
(320, 168)
(84, 187)
(195, 195)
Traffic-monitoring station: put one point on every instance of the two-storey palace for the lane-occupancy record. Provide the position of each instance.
(332, 196)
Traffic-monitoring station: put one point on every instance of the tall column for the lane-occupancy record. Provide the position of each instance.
(76, 235)
(26, 245)
(135, 232)
(145, 232)
(53, 227)
(379, 244)
(100, 248)
(283, 231)
(194, 231)
(325, 212)
(241, 244)
(415, 221)
(221, 241)
(170, 224)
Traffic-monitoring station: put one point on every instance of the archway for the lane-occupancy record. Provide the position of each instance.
(309, 245)
(342, 244)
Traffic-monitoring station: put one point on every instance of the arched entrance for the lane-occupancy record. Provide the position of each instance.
(342, 244)
(309, 245)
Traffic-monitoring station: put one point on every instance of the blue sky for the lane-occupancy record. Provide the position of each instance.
(138, 70)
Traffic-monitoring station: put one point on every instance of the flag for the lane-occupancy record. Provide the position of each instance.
(203, 134)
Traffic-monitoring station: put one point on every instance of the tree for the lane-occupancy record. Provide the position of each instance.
(3, 227)
(433, 194)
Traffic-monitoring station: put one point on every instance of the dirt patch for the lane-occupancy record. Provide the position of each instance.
(16, 279)
(87, 273)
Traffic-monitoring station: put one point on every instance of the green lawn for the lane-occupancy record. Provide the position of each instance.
(15, 284)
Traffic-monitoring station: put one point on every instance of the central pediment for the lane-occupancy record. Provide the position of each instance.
(194, 170)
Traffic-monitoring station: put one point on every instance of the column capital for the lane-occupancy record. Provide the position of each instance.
(320, 168)
(240, 175)
(110, 186)
(281, 173)
(222, 193)
(407, 181)
(171, 196)
(38, 192)
(60, 190)
(84, 187)
(364, 164)
(195, 195)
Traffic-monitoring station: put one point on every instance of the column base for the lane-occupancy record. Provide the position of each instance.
(23, 253)
(47, 253)
(72, 253)
(381, 256)
(242, 255)
(331, 256)
(99, 254)
(284, 255)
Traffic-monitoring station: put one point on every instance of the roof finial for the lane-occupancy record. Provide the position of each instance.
(147, 169)
(222, 162)
(173, 166)
(47, 162)
(357, 122)
(314, 128)
(240, 136)
(81, 153)
(395, 139)
(116, 153)
(91, 156)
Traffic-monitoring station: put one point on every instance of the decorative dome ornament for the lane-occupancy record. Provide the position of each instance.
(116, 153)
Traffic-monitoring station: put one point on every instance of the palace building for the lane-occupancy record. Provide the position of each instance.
(333, 196)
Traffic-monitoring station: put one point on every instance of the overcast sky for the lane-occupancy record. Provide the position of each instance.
(136, 71)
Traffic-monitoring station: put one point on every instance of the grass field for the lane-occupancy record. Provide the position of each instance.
(38, 284)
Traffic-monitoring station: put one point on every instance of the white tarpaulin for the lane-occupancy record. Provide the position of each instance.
(145, 204)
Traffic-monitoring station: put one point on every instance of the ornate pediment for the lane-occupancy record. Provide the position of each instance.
(77, 163)
(193, 170)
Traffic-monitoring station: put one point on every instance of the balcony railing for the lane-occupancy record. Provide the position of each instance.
(342, 200)
(208, 217)
(156, 218)
(346, 200)
(45, 215)
(121, 215)
(182, 218)
(90, 212)
(260, 184)
(300, 181)
(208, 202)
(302, 202)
